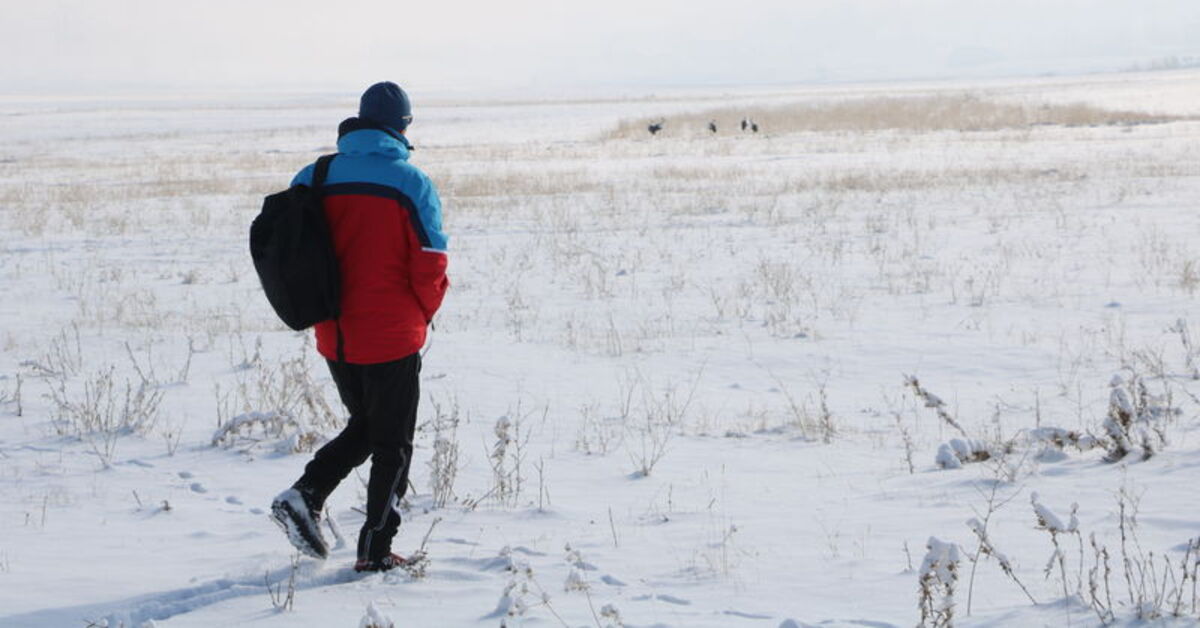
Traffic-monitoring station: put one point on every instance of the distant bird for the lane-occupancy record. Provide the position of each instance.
(754, 127)
(712, 126)
(745, 123)
(655, 128)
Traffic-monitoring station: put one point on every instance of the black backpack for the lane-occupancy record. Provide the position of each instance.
(293, 254)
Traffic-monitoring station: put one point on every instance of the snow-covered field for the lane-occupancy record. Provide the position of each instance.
(733, 368)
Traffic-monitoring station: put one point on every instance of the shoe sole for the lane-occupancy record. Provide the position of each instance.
(379, 568)
(286, 518)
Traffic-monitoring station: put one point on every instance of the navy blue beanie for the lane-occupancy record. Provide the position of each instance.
(387, 105)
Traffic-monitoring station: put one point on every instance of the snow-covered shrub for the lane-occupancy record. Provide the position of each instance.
(1053, 440)
(284, 433)
(374, 618)
(576, 580)
(287, 388)
(515, 599)
(1056, 527)
(505, 459)
(937, 582)
(281, 406)
(960, 451)
(1136, 423)
(443, 464)
(1136, 419)
(613, 616)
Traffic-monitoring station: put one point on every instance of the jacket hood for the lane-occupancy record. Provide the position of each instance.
(373, 142)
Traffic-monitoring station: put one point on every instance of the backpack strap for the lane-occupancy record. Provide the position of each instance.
(320, 172)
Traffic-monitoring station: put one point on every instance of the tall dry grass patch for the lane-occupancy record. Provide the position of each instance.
(959, 112)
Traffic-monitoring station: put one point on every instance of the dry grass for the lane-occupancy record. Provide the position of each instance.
(959, 112)
(513, 183)
(106, 195)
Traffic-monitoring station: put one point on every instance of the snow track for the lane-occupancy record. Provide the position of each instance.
(166, 604)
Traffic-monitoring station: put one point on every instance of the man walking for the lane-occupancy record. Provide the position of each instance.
(385, 220)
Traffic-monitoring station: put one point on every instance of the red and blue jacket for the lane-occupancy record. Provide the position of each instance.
(386, 221)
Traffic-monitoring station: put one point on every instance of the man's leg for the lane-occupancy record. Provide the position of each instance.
(392, 391)
(297, 509)
(350, 448)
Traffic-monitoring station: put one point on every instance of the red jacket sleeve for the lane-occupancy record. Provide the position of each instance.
(429, 281)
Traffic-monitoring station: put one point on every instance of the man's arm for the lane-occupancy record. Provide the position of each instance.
(427, 260)
(304, 177)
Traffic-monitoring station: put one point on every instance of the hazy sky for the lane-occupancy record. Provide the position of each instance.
(97, 45)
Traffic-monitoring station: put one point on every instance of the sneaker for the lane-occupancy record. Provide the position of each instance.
(386, 563)
(291, 510)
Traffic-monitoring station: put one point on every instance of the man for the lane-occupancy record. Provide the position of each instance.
(385, 219)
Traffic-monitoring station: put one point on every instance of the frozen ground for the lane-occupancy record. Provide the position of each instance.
(700, 344)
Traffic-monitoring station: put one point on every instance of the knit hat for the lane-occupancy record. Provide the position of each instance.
(387, 105)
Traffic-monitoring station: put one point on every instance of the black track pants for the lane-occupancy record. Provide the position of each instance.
(382, 400)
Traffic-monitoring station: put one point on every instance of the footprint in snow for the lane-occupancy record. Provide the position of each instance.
(663, 597)
(611, 581)
(198, 488)
(233, 500)
(187, 475)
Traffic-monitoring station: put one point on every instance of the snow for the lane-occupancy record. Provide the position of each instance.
(668, 386)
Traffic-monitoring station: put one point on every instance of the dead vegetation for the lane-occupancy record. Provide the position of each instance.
(937, 112)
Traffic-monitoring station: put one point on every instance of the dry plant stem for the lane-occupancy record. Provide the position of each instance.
(1103, 608)
(543, 496)
(800, 416)
(428, 533)
(906, 437)
(1125, 561)
(588, 594)
(935, 402)
(334, 529)
(136, 366)
(545, 598)
(279, 600)
(985, 546)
